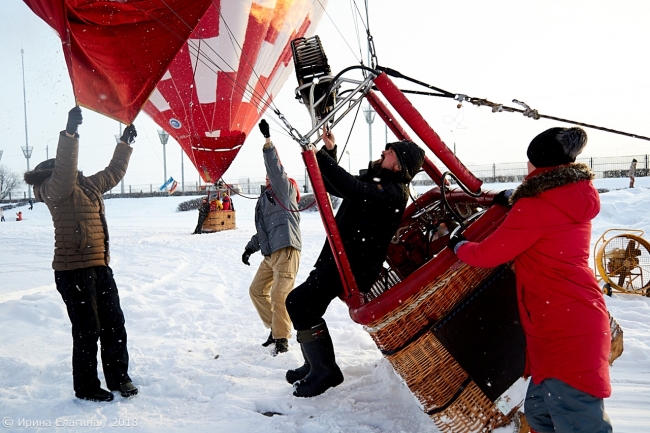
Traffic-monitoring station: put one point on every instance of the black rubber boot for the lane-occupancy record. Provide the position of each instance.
(97, 394)
(319, 353)
(300, 372)
(126, 390)
(281, 346)
(269, 340)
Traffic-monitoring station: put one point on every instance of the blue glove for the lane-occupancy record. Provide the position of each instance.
(503, 197)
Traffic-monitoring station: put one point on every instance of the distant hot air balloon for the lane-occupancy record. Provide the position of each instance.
(226, 74)
(116, 51)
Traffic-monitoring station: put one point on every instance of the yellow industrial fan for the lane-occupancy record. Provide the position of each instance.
(623, 262)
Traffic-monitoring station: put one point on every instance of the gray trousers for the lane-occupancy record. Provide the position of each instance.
(555, 407)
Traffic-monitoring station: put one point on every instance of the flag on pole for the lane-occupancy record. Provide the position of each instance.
(172, 189)
(166, 184)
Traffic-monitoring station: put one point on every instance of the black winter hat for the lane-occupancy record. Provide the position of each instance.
(556, 146)
(46, 165)
(410, 156)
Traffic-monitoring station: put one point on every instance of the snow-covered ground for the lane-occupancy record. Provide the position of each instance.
(195, 338)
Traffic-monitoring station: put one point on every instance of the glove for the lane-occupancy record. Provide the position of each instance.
(503, 197)
(455, 241)
(74, 120)
(246, 256)
(129, 134)
(264, 128)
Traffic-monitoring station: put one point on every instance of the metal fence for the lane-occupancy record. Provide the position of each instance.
(603, 167)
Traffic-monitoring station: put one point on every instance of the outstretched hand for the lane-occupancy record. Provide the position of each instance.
(74, 120)
(129, 134)
(328, 138)
(264, 128)
(503, 197)
(456, 240)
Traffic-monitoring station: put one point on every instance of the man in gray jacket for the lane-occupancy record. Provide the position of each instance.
(81, 258)
(278, 237)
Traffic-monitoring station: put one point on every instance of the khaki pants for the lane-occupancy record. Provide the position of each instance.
(272, 283)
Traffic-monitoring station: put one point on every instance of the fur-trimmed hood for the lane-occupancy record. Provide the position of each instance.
(37, 177)
(581, 203)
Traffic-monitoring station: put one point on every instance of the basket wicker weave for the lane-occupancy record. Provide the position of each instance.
(428, 305)
(443, 387)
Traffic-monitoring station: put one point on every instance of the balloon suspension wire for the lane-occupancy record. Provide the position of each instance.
(360, 60)
(356, 29)
(349, 134)
(247, 89)
(235, 41)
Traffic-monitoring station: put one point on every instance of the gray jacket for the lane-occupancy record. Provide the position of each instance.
(277, 219)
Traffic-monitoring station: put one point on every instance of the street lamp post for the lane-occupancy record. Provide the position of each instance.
(164, 137)
(27, 150)
(182, 172)
(347, 152)
(370, 117)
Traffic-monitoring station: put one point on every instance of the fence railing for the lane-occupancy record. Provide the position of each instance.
(603, 167)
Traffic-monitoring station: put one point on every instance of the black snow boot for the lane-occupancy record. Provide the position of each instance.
(300, 372)
(269, 340)
(98, 394)
(281, 346)
(319, 352)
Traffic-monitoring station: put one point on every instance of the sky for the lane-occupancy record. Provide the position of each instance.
(579, 60)
(194, 337)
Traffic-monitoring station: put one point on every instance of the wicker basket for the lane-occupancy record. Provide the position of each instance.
(219, 220)
(442, 386)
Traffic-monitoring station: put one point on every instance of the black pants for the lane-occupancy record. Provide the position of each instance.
(199, 225)
(93, 304)
(308, 302)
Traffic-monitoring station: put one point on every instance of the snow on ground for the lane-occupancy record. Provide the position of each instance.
(195, 338)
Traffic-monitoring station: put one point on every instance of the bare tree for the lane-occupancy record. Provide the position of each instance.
(9, 181)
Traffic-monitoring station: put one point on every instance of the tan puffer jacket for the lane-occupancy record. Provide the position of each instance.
(77, 205)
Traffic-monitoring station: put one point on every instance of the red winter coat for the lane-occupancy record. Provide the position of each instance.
(562, 309)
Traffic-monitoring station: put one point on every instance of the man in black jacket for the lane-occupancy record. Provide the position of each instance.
(372, 208)
(204, 211)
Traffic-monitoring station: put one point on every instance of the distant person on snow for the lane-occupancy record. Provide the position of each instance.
(2, 215)
(204, 211)
(277, 222)
(227, 202)
(31, 204)
(19, 216)
(632, 172)
(563, 314)
(81, 258)
(215, 205)
(371, 210)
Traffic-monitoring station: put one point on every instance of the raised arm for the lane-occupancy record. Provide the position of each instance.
(61, 183)
(108, 178)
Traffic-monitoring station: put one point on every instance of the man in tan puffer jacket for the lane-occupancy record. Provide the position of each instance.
(81, 258)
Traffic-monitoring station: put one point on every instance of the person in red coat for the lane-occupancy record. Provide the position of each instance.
(563, 313)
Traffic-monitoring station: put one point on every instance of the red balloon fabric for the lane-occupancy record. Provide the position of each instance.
(117, 51)
(227, 74)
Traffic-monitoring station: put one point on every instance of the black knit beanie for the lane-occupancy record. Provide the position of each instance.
(556, 146)
(46, 165)
(410, 157)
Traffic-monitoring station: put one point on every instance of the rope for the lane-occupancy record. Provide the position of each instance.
(498, 108)
(533, 114)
